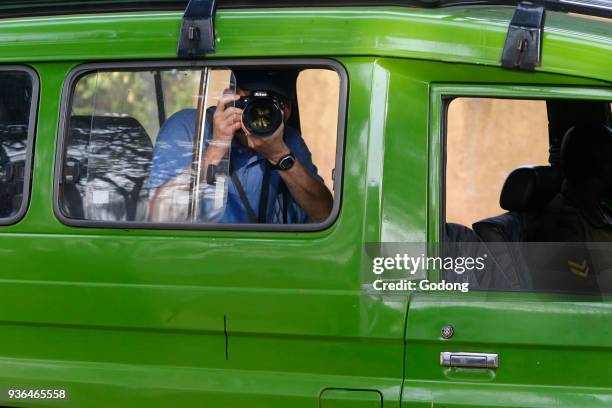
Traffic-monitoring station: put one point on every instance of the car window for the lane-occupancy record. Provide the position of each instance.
(318, 95)
(157, 147)
(481, 152)
(528, 184)
(17, 110)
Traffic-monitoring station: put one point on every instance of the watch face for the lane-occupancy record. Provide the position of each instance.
(286, 162)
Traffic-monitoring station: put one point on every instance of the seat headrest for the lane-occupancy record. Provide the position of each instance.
(530, 188)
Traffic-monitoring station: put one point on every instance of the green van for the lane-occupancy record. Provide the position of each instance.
(150, 257)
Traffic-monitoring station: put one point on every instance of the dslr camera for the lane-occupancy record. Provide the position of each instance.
(262, 112)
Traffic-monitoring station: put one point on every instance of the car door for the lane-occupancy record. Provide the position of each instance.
(510, 345)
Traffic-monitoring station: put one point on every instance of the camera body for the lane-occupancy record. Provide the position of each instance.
(262, 112)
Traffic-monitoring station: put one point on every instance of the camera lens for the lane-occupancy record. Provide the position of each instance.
(262, 116)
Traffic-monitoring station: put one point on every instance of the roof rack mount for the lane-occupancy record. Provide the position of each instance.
(197, 36)
(523, 46)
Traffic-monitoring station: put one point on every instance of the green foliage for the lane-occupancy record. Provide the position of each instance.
(126, 93)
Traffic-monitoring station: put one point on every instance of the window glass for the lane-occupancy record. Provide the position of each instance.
(129, 94)
(180, 89)
(529, 193)
(210, 146)
(16, 107)
(318, 95)
(482, 152)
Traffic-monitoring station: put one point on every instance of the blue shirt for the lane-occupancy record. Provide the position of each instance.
(173, 154)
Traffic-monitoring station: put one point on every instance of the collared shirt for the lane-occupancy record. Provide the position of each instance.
(173, 154)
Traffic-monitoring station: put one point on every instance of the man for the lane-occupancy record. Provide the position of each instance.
(271, 179)
(579, 216)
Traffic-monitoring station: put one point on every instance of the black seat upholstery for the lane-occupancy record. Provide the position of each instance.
(529, 189)
(107, 163)
(461, 241)
(13, 146)
(525, 193)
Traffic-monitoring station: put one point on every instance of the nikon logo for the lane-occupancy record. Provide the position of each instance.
(260, 93)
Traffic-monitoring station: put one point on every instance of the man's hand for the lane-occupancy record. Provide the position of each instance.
(226, 121)
(307, 190)
(272, 147)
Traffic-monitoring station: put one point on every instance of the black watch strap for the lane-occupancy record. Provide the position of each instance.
(285, 163)
(211, 174)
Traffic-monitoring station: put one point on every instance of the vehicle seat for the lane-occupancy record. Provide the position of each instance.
(461, 241)
(107, 163)
(13, 146)
(525, 193)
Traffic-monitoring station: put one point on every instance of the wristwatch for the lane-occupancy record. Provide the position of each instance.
(285, 163)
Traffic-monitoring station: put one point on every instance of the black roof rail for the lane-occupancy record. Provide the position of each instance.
(26, 8)
(598, 8)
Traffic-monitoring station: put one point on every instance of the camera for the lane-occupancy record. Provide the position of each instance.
(262, 112)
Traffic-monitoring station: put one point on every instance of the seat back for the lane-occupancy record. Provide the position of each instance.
(107, 164)
(13, 145)
(525, 193)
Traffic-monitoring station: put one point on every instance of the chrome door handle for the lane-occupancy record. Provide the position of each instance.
(469, 360)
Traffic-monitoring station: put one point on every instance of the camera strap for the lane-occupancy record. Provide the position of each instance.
(265, 190)
(285, 204)
(263, 197)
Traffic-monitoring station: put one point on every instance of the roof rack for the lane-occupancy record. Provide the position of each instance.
(26, 8)
(599, 8)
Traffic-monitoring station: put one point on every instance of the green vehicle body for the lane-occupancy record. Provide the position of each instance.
(159, 318)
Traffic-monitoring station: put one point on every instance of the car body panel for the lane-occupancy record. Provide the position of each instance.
(247, 318)
(553, 349)
(473, 34)
(552, 352)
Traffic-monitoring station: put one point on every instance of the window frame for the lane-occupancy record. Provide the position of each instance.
(66, 103)
(441, 95)
(30, 140)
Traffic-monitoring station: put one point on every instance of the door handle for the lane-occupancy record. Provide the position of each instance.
(469, 360)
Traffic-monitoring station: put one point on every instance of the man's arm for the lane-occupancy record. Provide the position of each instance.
(166, 202)
(163, 206)
(308, 191)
